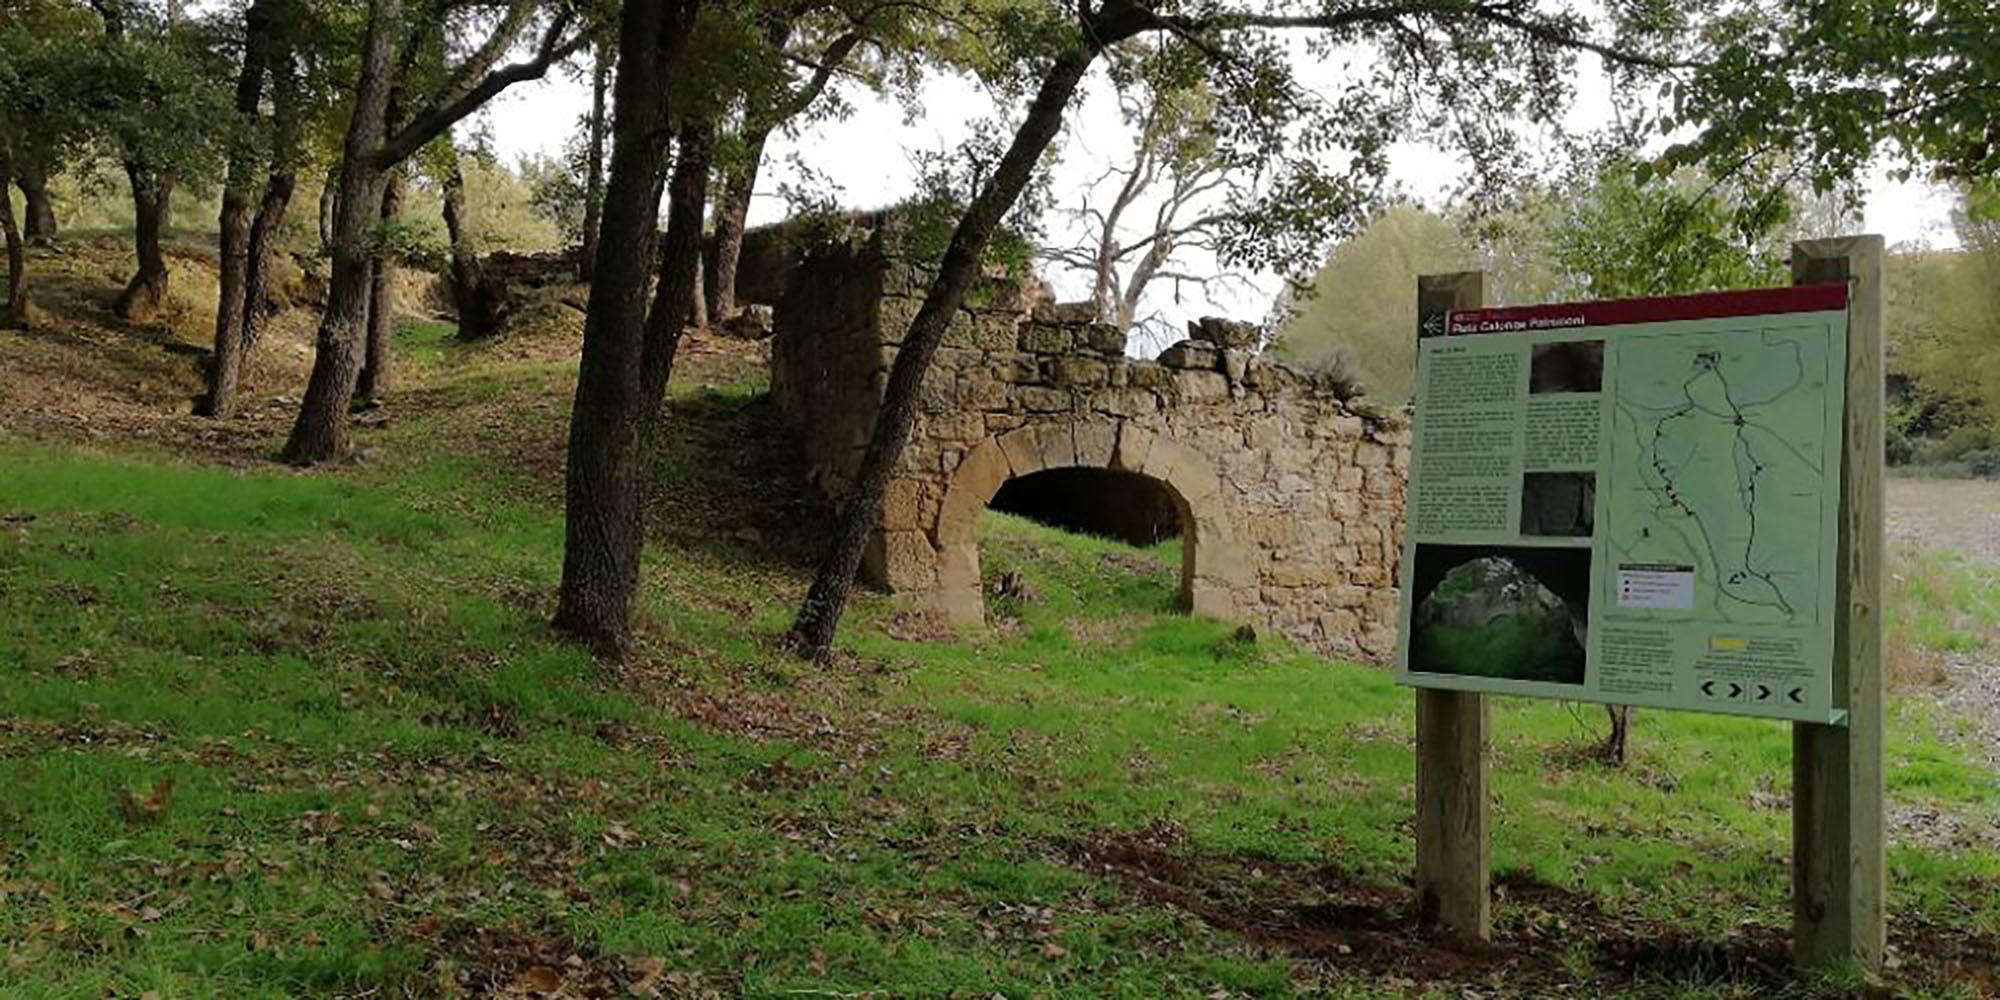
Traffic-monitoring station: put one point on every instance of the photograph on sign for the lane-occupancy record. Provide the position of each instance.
(1630, 501)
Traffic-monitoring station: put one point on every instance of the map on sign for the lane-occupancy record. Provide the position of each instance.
(1633, 501)
(1719, 450)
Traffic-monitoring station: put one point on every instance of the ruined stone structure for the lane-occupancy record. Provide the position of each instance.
(1288, 496)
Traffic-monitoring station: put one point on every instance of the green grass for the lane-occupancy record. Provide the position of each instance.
(387, 776)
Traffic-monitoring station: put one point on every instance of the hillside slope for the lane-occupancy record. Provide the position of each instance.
(268, 733)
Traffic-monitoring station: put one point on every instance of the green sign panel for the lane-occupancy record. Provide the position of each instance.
(1632, 501)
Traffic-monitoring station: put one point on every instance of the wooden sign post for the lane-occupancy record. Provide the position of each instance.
(1838, 878)
(1454, 852)
(1837, 812)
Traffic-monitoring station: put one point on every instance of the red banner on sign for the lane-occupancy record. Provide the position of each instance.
(1624, 312)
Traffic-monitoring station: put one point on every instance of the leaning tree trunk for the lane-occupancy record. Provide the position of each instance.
(732, 216)
(593, 186)
(602, 527)
(38, 221)
(265, 233)
(145, 296)
(320, 433)
(474, 314)
(376, 361)
(677, 300)
(233, 223)
(15, 312)
(811, 633)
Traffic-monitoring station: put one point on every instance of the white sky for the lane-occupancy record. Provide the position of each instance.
(866, 157)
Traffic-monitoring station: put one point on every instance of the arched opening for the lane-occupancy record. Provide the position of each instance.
(1106, 479)
(1101, 535)
(1110, 503)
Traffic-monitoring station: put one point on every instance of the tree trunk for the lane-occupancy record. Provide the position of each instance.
(265, 232)
(732, 215)
(593, 186)
(475, 316)
(15, 314)
(678, 298)
(811, 633)
(233, 223)
(320, 433)
(603, 526)
(376, 361)
(1616, 742)
(38, 223)
(145, 296)
(329, 208)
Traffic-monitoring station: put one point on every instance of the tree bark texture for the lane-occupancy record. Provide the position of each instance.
(812, 631)
(378, 359)
(329, 207)
(15, 314)
(320, 433)
(265, 232)
(233, 222)
(677, 298)
(603, 525)
(477, 316)
(732, 216)
(145, 296)
(593, 185)
(38, 210)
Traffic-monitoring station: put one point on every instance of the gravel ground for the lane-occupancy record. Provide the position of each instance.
(1964, 515)
(1961, 514)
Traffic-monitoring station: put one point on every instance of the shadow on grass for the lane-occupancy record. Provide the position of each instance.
(1545, 936)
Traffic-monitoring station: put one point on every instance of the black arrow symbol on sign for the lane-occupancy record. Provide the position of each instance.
(1763, 692)
(1735, 690)
(1794, 695)
(1708, 688)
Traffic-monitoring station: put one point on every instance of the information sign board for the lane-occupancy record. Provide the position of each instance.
(1631, 501)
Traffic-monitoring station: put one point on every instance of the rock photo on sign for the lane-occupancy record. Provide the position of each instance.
(1509, 612)
(1558, 504)
(1567, 366)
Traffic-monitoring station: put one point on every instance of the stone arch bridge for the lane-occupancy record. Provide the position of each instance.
(1288, 495)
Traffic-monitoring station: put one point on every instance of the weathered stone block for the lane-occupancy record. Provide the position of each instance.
(1042, 338)
(1082, 372)
(1057, 449)
(1104, 338)
(1125, 402)
(1150, 375)
(1212, 599)
(1133, 445)
(1234, 363)
(1200, 386)
(981, 332)
(1040, 399)
(901, 505)
(1224, 332)
(1094, 442)
(1000, 423)
(1189, 354)
(1066, 313)
(1023, 451)
(901, 561)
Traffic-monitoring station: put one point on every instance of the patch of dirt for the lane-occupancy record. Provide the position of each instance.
(1960, 514)
(1325, 914)
(511, 962)
(83, 374)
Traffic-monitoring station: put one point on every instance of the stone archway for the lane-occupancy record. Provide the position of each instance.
(1187, 478)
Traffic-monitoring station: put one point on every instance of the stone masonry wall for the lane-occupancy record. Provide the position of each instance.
(1291, 496)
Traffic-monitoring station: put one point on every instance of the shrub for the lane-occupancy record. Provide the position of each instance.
(1984, 463)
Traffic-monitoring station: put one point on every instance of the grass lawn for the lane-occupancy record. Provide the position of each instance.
(266, 733)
